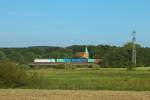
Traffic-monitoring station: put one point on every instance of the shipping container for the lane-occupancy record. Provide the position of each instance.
(41, 60)
(52, 60)
(75, 60)
(91, 60)
(67, 60)
(97, 61)
(44, 61)
(60, 60)
(79, 60)
(84, 60)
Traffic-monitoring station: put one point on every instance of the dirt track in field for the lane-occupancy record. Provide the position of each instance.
(71, 95)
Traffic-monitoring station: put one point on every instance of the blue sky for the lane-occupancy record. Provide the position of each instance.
(67, 22)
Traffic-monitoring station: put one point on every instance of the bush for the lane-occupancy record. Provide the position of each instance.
(61, 66)
(69, 66)
(130, 68)
(11, 75)
(26, 67)
(66, 66)
(36, 81)
(94, 66)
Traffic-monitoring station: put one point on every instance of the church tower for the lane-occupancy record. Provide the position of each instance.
(86, 53)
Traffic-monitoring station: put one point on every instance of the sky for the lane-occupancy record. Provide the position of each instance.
(26, 23)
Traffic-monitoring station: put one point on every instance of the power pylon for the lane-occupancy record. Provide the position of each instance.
(134, 48)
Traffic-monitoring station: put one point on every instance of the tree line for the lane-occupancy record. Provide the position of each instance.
(112, 56)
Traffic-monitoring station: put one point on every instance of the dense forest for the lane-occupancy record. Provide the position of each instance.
(112, 56)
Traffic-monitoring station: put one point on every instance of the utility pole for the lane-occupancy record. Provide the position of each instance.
(134, 49)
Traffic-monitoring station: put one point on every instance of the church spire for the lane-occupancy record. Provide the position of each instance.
(86, 53)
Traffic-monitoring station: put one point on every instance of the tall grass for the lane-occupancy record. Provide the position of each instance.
(102, 79)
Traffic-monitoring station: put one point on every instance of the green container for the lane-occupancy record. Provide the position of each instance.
(60, 60)
(91, 60)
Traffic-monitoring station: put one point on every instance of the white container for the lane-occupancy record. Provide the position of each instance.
(43, 60)
(52, 60)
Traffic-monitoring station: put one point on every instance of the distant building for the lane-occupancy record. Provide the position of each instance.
(86, 53)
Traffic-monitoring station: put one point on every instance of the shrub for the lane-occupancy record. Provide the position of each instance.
(36, 81)
(66, 66)
(131, 68)
(26, 67)
(11, 75)
(69, 66)
(94, 66)
(61, 66)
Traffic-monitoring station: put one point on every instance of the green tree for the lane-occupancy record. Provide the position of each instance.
(2, 55)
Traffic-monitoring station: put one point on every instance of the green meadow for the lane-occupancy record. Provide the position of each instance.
(94, 79)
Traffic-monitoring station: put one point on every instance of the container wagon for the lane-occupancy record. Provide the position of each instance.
(67, 60)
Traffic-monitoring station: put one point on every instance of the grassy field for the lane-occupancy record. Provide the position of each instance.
(71, 95)
(118, 79)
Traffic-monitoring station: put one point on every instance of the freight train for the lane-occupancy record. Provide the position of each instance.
(84, 59)
(67, 60)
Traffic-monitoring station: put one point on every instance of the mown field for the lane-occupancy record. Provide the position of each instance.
(118, 79)
(23, 94)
